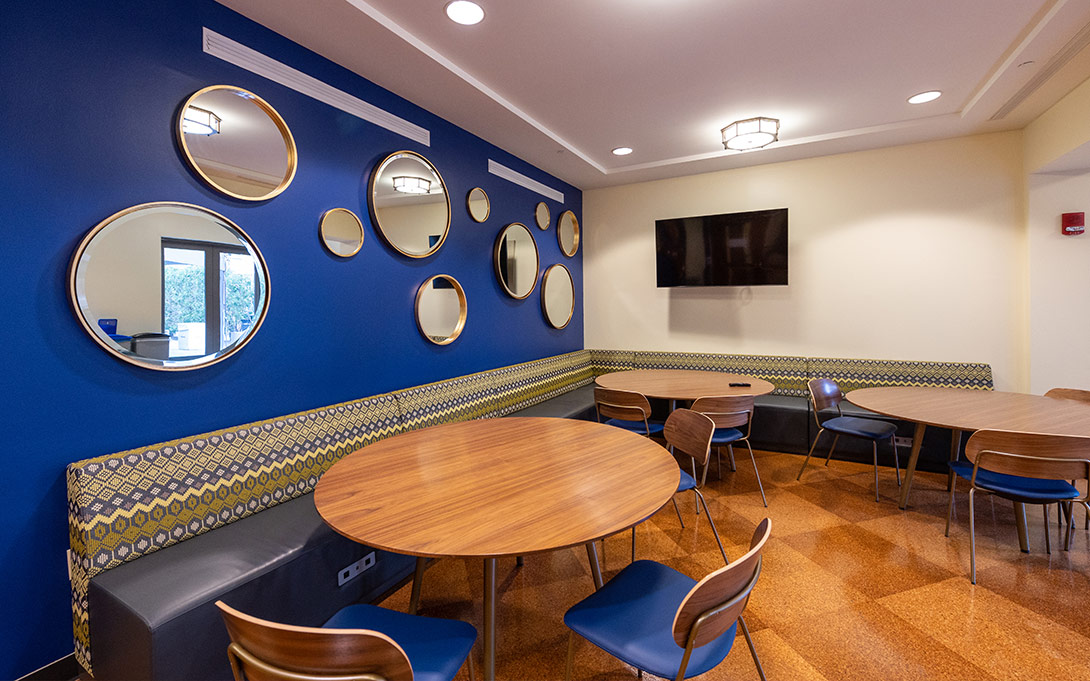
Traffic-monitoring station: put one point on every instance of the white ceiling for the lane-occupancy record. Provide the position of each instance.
(560, 83)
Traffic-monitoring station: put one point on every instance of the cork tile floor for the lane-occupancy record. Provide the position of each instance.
(850, 589)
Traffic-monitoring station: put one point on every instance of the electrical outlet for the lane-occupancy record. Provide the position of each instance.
(903, 442)
(354, 570)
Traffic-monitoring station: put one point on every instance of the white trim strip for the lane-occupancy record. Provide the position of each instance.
(500, 170)
(253, 61)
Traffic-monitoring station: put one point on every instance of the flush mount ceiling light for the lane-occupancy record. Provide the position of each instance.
(751, 133)
(465, 12)
(198, 121)
(412, 185)
(924, 97)
(622, 151)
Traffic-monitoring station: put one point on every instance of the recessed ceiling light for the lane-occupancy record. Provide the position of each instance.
(465, 12)
(622, 151)
(923, 97)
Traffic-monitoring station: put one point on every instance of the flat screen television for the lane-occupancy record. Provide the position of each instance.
(732, 249)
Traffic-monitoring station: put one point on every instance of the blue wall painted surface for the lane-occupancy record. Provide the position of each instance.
(88, 96)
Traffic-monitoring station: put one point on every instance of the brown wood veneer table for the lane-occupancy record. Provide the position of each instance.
(497, 487)
(683, 384)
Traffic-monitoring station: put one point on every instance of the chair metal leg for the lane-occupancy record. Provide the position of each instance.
(715, 533)
(719, 462)
(704, 477)
(752, 650)
(1048, 534)
(678, 510)
(757, 473)
(571, 655)
(950, 506)
(874, 448)
(830, 454)
(972, 537)
(694, 478)
(896, 459)
(469, 664)
(730, 458)
(809, 454)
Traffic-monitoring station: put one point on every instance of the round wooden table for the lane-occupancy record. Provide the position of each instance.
(496, 487)
(683, 384)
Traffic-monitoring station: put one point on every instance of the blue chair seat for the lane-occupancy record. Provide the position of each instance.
(637, 426)
(436, 648)
(725, 436)
(632, 618)
(687, 481)
(1015, 487)
(867, 428)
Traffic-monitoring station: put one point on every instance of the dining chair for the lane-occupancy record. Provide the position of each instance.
(359, 643)
(729, 413)
(1081, 396)
(625, 409)
(826, 394)
(663, 622)
(1027, 468)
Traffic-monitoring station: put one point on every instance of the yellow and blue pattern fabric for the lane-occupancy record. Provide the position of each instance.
(788, 374)
(851, 374)
(524, 385)
(608, 361)
(456, 399)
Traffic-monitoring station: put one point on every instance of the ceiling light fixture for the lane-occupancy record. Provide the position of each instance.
(924, 97)
(198, 121)
(412, 185)
(622, 151)
(465, 12)
(751, 133)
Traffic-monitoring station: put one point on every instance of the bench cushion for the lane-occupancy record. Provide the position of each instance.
(574, 404)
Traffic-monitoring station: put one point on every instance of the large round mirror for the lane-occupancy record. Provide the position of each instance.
(541, 215)
(557, 296)
(515, 258)
(342, 232)
(441, 309)
(567, 233)
(237, 143)
(169, 286)
(478, 205)
(409, 204)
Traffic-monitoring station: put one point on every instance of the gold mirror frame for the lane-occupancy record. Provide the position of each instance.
(371, 191)
(544, 290)
(487, 204)
(326, 216)
(462, 313)
(273, 114)
(100, 336)
(499, 268)
(542, 215)
(560, 233)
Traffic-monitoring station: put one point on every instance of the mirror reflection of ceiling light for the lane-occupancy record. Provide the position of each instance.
(751, 133)
(198, 121)
(465, 12)
(412, 185)
(924, 97)
(622, 151)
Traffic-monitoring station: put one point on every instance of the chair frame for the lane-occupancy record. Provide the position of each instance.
(624, 405)
(1080, 396)
(730, 411)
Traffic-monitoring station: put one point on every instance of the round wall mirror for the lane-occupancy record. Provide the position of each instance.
(515, 258)
(541, 214)
(409, 204)
(342, 232)
(441, 309)
(478, 205)
(567, 233)
(169, 286)
(237, 143)
(557, 296)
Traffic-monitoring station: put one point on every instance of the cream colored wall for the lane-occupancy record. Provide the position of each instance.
(1060, 130)
(911, 252)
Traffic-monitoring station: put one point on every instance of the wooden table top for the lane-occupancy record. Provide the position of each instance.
(496, 487)
(962, 409)
(683, 384)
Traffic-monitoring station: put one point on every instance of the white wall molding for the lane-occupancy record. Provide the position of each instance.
(500, 170)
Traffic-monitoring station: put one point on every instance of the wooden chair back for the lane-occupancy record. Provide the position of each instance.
(729, 411)
(1030, 455)
(1069, 394)
(625, 405)
(824, 393)
(261, 650)
(690, 433)
(717, 601)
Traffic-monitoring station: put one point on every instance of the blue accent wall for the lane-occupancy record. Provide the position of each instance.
(88, 95)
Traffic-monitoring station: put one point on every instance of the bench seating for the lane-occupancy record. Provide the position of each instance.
(147, 566)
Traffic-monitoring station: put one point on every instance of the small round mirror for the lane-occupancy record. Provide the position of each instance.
(515, 258)
(169, 286)
(441, 309)
(567, 233)
(541, 214)
(342, 232)
(557, 296)
(478, 205)
(236, 142)
(409, 204)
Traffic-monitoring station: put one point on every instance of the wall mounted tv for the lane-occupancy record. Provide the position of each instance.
(732, 249)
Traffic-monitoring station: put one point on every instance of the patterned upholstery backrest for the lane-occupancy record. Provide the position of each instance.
(608, 361)
(125, 505)
(525, 385)
(851, 374)
(455, 399)
(788, 374)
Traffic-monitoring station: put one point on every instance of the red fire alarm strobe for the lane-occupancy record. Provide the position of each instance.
(1072, 223)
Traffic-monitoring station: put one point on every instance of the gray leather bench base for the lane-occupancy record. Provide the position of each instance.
(574, 404)
(155, 618)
